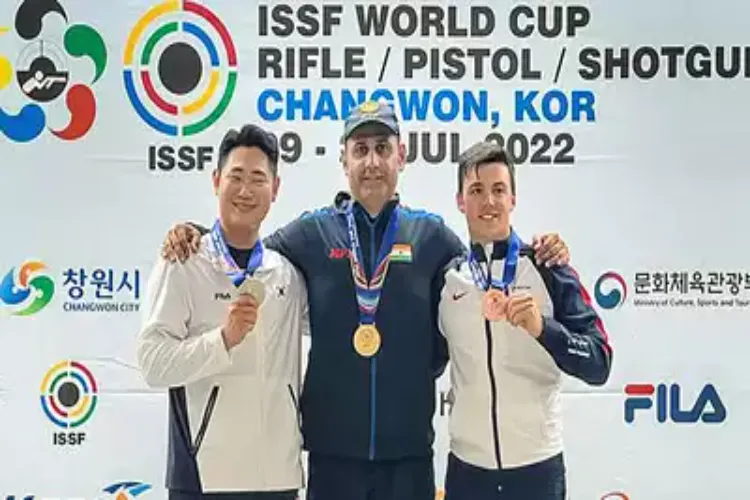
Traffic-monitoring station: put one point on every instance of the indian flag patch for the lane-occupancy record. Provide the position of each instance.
(401, 253)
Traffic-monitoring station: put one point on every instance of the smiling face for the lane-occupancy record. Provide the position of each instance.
(246, 187)
(373, 159)
(487, 199)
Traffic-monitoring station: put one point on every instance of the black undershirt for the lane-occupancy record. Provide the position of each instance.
(240, 256)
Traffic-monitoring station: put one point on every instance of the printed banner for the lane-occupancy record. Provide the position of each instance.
(625, 119)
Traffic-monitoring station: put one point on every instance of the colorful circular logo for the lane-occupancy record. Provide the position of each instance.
(69, 394)
(29, 291)
(610, 290)
(183, 78)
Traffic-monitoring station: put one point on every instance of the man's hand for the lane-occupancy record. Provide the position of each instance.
(523, 312)
(550, 249)
(241, 319)
(181, 241)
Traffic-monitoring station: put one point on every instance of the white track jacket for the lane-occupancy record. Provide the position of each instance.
(233, 416)
(506, 384)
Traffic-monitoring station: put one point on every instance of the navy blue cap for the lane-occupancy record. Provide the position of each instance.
(368, 113)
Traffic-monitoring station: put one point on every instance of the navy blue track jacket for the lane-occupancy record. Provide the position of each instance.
(382, 407)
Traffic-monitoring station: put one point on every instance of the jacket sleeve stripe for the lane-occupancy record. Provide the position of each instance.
(586, 297)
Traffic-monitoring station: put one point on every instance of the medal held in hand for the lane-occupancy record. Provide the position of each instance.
(494, 305)
(254, 287)
(367, 338)
(495, 300)
(242, 278)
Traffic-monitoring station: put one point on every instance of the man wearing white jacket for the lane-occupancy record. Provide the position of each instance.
(513, 328)
(222, 332)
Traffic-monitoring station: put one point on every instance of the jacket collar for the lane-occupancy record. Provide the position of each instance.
(497, 250)
(343, 200)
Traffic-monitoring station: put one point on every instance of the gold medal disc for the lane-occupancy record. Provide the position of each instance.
(494, 305)
(367, 340)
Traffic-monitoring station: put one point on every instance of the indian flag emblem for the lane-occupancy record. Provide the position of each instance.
(401, 253)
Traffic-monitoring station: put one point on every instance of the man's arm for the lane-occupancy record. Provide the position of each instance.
(167, 357)
(574, 336)
(454, 250)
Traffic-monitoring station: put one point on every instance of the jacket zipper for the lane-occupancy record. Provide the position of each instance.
(493, 381)
(493, 396)
(264, 437)
(295, 406)
(206, 419)
(373, 360)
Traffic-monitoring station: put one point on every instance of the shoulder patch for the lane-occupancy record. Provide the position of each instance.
(416, 213)
(316, 213)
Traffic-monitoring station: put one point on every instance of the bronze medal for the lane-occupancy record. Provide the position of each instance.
(494, 305)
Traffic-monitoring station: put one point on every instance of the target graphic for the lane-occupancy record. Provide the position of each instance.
(180, 68)
(69, 394)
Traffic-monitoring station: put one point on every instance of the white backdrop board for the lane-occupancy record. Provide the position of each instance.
(626, 120)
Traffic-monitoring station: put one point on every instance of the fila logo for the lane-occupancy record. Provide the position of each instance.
(222, 296)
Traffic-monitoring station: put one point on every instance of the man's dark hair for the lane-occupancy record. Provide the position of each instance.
(480, 154)
(250, 136)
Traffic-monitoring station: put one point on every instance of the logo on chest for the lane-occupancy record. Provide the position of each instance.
(399, 253)
(279, 291)
(338, 253)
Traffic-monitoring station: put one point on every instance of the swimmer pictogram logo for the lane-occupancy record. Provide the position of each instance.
(180, 68)
(41, 73)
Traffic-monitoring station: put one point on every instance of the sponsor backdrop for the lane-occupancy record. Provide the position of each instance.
(625, 118)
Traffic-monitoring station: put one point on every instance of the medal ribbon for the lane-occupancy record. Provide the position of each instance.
(368, 293)
(509, 270)
(235, 272)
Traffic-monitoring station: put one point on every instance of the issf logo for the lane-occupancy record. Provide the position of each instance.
(40, 73)
(610, 290)
(68, 395)
(180, 74)
(666, 402)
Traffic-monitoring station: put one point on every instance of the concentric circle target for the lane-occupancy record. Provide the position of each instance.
(180, 68)
(69, 394)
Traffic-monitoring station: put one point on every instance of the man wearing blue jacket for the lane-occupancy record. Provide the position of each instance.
(513, 328)
(374, 270)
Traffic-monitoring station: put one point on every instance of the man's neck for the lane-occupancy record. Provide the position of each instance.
(373, 207)
(488, 240)
(242, 238)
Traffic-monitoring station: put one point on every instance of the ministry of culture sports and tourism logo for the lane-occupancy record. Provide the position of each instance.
(180, 68)
(29, 290)
(41, 73)
(69, 394)
(610, 290)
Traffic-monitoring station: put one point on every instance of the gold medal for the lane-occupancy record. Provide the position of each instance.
(494, 305)
(367, 340)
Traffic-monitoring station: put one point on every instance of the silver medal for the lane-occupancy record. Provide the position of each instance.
(254, 287)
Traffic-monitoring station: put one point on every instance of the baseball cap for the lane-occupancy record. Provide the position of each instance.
(371, 112)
